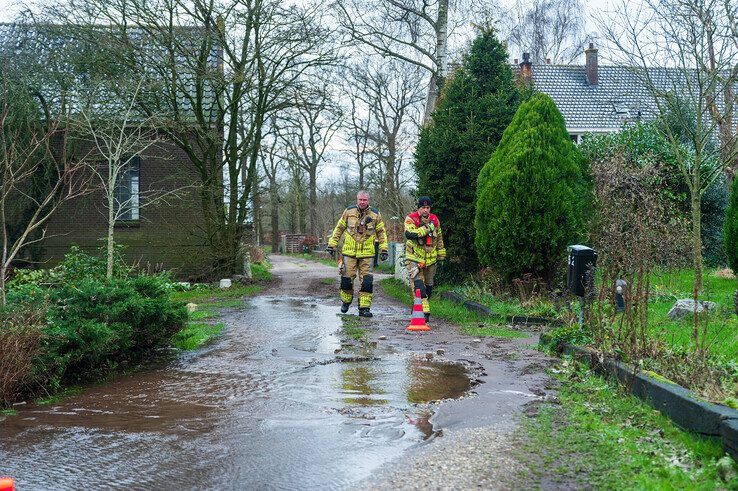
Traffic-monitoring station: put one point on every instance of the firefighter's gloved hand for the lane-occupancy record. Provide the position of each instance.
(431, 227)
(383, 255)
(331, 251)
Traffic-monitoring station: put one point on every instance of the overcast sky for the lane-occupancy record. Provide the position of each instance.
(8, 8)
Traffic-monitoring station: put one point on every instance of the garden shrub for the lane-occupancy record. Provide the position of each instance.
(474, 108)
(643, 145)
(714, 207)
(532, 194)
(21, 335)
(97, 323)
(91, 324)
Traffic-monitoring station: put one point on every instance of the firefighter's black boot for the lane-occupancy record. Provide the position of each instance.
(364, 312)
(344, 307)
(427, 317)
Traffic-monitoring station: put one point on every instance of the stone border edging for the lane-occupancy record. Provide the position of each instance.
(485, 311)
(674, 401)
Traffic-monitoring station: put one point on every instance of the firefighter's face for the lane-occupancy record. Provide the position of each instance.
(424, 211)
(362, 201)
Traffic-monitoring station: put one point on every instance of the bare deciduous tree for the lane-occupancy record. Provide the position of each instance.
(358, 127)
(412, 31)
(118, 139)
(392, 92)
(695, 41)
(213, 73)
(27, 151)
(310, 128)
(547, 29)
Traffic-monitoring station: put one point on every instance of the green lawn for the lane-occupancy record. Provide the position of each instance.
(600, 437)
(507, 305)
(199, 330)
(470, 322)
(667, 287)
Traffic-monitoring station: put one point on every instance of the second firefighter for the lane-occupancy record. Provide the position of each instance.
(424, 249)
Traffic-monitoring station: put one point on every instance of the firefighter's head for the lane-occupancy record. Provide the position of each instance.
(424, 206)
(362, 199)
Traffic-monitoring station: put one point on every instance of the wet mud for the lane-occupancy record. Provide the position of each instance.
(286, 397)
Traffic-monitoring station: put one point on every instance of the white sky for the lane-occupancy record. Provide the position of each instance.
(8, 8)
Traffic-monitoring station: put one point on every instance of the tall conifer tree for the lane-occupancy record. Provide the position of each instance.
(532, 194)
(475, 107)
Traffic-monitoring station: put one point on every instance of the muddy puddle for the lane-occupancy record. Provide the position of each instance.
(287, 397)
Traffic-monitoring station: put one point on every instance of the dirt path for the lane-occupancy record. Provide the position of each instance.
(475, 448)
(285, 399)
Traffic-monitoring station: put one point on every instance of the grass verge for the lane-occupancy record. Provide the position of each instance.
(352, 328)
(600, 437)
(470, 322)
(59, 396)
(195, 334)
(198, 331)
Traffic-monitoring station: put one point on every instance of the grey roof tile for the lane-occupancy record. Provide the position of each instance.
(619, 97)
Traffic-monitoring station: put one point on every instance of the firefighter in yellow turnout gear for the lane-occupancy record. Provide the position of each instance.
(360, 226)
(424, 249)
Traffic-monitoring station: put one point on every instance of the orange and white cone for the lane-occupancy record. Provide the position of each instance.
(417, 322)
(6, 483)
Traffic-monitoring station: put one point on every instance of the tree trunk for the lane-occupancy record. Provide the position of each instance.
(111, 228)
(256, 200)
(436, 82)
(697, 257)
(430, 102)
(313, 202)
(3, 264)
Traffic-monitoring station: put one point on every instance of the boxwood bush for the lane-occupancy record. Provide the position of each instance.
(92, 324)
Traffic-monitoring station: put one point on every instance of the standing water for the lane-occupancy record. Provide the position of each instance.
(280, 400)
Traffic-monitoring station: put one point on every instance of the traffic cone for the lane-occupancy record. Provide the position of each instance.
(7, 484)
(417, 321)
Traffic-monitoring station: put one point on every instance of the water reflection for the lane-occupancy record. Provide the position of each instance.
(434, 380)
(362, 383)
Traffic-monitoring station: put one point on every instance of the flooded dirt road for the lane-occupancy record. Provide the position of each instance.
(283, 399)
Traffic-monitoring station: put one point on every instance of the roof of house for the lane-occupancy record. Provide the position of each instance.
(53, 59)
(620, 96)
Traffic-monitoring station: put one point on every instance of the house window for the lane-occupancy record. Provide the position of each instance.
(574, 138)
(127, 190)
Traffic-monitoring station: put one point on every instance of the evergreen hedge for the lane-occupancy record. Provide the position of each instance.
(475, 107)
(532, 195)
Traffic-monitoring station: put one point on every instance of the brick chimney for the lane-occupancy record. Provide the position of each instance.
(591, 64)
(526, 70)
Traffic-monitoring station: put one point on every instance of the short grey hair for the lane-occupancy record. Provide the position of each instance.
(363, 192)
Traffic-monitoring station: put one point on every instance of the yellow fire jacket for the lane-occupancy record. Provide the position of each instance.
(361, 228)
(424, 243)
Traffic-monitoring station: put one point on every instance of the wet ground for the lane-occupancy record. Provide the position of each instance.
(284, 398)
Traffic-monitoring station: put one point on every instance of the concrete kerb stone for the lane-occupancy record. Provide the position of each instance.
(730, 437)
(478, 308)
(680, 405)
(485, 311)
(522, 319)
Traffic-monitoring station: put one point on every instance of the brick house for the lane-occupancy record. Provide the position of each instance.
(168, 235)
(164, 236)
